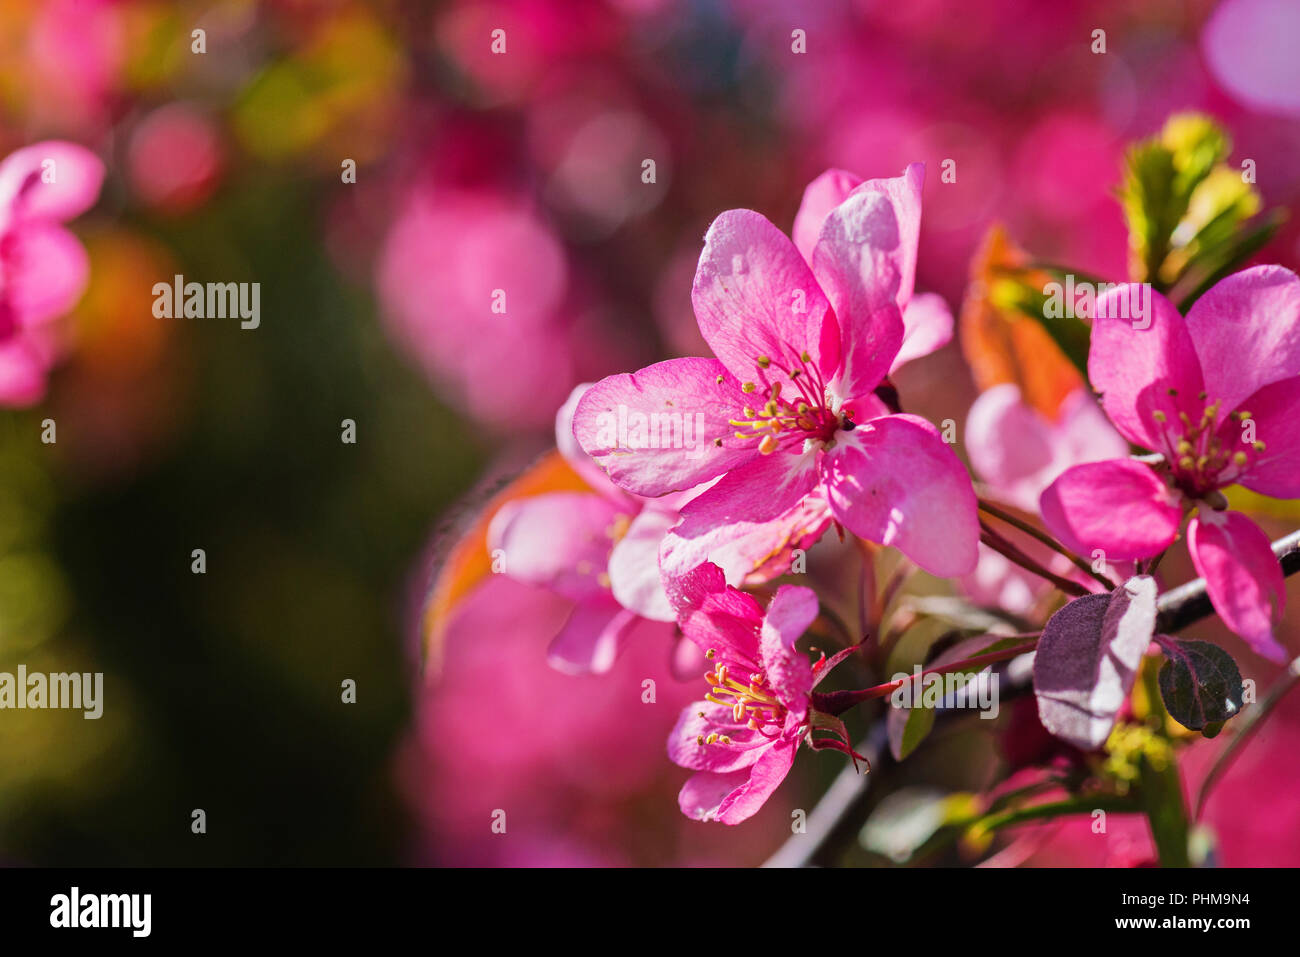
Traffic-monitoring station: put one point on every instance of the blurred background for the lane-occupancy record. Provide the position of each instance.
(222, 690)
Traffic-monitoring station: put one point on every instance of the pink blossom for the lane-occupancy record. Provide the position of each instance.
(43, 267)
(1217, 395)
(598, 548)
(1018, 451)
(741, 739)
(786, 412)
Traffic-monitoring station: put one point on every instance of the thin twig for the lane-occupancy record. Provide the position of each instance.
(1010, 552)
(1048, 540)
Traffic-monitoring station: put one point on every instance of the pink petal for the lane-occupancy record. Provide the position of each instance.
(560, 540)
(1247, 332)
(685, 750)
(703, 793)
(758, 491)
(22, 373)
(1119, 506)
(893, 480)
(865, 259)
(1018, 452)
(1009, 445)
(765, 777)
(755, 296)
(1275, 411)
(634, 566)
(46, 270)
(1134, 368)
(716, 616)
(1084, 434)
(748, 552)
(1242, 576)
(927, 327)
(613, 425)
(591, 639)
(821, 196)
(567, 445)
(77, 175)
(789, 614)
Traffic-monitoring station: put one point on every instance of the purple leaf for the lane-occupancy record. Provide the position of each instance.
(1200, 684)
(1088, 659)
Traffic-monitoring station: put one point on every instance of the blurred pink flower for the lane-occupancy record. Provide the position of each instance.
(1018, 452)
(1250, 47)
(599, 549)
(831, 334)
(175, 158)
(43, 267)
(473, 284)
(1218, 395)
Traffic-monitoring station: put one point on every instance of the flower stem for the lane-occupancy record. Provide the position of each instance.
(1000, 545)
(1048, 540)
(837, 702)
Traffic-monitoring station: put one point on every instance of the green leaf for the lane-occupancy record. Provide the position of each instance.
(908, 729)
(1199, 684)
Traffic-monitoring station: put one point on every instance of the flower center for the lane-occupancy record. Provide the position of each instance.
(752, 702)
(795, 410)
(1199, 460)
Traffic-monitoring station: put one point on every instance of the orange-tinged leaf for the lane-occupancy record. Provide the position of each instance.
(467, 562)
(1003, 345)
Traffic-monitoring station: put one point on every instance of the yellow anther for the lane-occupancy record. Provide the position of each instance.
(710, 653)
(768, 445)
(1159, 416)
(748, 387)
(1184, 447)
(763, 362)
(1259, 446)
(1185, 462)
(721, 379)
(1239, 459)
(805, 357)
(699, 739)
(712, 738)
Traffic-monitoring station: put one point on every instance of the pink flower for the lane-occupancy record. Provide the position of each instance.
(43, 267)
(1017, 451)
(787, 413)
(599, 548)
(741, 740)
(1217, 395)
